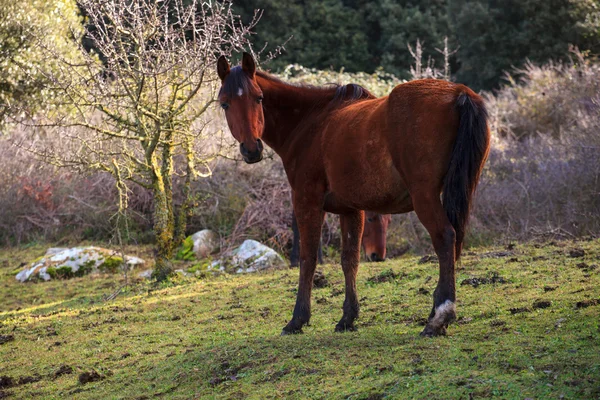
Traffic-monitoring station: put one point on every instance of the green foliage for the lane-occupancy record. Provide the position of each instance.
(326, 34)
(26, 29)
(60, 272)
(186, 251)
(200, 267)
(394, 24)
(491, 36)
(495, 36)
(111, 264)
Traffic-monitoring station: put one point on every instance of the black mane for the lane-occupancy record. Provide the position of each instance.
(237, 79)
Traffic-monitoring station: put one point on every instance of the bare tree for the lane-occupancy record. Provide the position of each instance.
(137, 106)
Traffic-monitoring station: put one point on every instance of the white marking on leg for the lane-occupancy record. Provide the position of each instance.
(240, 92)
(441, 311)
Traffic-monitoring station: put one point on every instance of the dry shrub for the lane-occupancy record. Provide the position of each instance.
(559, 100)
(542, 177)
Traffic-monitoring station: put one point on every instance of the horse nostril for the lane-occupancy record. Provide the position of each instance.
(374, 257)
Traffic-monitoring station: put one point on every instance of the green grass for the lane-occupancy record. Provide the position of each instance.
(218, 337)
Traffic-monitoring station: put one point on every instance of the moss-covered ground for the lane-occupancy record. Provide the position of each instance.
(528, 327)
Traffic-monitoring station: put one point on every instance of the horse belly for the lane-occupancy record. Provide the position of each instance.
(361, 175)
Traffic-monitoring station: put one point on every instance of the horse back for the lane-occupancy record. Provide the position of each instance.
(376, 152)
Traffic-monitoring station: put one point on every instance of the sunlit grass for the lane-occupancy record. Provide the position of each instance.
(536, 335)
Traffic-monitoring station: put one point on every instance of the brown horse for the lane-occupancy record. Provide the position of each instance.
(374, 235)
(373, 239)
(343, 153)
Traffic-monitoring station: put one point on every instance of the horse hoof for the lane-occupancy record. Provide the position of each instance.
(345, 328)
(295, 332)
(430, 331)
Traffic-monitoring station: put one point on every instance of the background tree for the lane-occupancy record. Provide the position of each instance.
(495, 36)
(325, 34)
(141, 114)
(22, 25)
(491, 36)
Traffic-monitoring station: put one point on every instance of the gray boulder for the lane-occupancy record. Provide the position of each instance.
(206, 242)
(251, 256)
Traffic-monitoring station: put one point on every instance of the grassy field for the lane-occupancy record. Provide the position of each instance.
(528, 327)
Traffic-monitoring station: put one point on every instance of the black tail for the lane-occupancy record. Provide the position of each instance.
(468, 156)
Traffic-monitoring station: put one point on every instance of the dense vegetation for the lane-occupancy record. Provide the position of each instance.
(490, 36)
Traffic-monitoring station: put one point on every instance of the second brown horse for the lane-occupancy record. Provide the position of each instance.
(374, 238)
(343, 153)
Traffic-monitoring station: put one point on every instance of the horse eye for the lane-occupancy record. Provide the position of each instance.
(370, 219)
(224, 106)
(259, 99)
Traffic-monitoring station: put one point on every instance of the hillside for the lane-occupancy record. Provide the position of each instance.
(528, 328)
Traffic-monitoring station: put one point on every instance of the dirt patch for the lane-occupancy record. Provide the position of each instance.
(90, 376)
(319, 280)
(276, 375)
(497, 254)
(587, 303)
(6, 382)
(549, 288)
(386, 276)
(226, 372)
(29, 379)
(519, 310)
(541, 304)
(50, 331)
(574, 253)
(63, 370)
(6, 338)
(476, 281)
(428, 259)
(497, 323)
(586, 267)
(423, 291)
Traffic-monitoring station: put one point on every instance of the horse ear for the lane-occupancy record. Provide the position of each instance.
(222, 68)
(248, 64)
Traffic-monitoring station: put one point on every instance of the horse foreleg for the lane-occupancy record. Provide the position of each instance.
(295, 254)
(310, 221)
(352, 225)
(432, 215)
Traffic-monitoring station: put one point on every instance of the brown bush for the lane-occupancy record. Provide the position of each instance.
(542, 179)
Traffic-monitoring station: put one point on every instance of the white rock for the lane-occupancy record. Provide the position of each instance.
(253, 256)
(54, 250)
(145, 274)
(74, 259)
(206, 242)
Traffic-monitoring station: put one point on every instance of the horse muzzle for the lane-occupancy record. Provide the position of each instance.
(251, 157)
(375, 257)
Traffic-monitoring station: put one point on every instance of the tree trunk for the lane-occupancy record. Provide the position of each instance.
(185, 211)
(163, 225)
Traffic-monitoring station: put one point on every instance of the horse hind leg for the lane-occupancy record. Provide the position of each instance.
(432, 215)
(352, 225)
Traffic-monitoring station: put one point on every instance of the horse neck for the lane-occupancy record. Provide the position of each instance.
(291, 111)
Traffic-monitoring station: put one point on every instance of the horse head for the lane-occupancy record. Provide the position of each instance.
(241, 98)
(374, 235)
